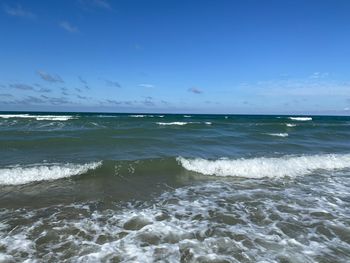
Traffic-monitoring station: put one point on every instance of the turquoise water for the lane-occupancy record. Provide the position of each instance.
(169, 188)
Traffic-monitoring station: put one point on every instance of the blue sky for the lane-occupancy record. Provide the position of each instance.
(195, 56)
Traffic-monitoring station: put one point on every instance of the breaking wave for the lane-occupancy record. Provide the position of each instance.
(139, 116)
(278, 134)
(17, 175)
(300, 118)
(38, 117)
(173, 123)
(181, 123)
(290, 166)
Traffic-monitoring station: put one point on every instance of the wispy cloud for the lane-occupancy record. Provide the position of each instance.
(82, 97)
(50, 77)
(44, 90)
(319, 75)
(103, 4)
(84, 82)
(114, 102)
(68, 27)
(111, 83)
(138, 47)
(59, 101)
(195, 90)
(312, 87)
(6, 95)
(34, 100)
(29, 100)
(146, 85)
(21, 86)
(148, 101)
(18, 11)
(64, 91)
(117, 102)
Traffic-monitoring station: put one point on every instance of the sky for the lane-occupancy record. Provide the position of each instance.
(195, 56)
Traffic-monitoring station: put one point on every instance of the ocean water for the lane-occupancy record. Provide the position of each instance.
(80, 187)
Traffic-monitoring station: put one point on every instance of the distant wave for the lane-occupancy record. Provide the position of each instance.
(300, 118)
(181, 123)
(278, 134)
(38, 117)
(174, 123)
(290, 166)
(139, 116)
(16, 175)
(187, 116)
(290, 125)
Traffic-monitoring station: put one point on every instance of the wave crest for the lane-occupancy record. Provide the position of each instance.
(300, 118)
(173, 123)
(38, 117)
(278, 134)
(17, 175)
(290, 166)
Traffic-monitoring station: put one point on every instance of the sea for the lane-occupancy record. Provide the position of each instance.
(108, 187)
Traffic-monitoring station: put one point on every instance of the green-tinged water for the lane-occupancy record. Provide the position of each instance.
(80, 187)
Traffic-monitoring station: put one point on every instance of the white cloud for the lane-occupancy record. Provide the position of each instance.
(319, 75)
(69, 27)
(146, 85)
(18, 11)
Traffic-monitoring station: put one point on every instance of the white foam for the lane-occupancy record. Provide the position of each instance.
(173, 123)
(38, 117)
(187, 116)
(290, 166)
(300, 118)
(278, 134)
(16, 175)
(208, 123)
(54, 118)
(137, 116)
(214, 221)
(141, 116)
(290, 125)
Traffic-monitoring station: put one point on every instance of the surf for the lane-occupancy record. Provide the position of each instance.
(264, 167)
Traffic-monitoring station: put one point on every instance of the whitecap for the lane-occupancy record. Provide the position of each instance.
(290, 125)
(54, 118)
(278, 134)
(173, 123)
(38, 117)
(300, 118)
(137, 116)
(290, 166)
(16, 175)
